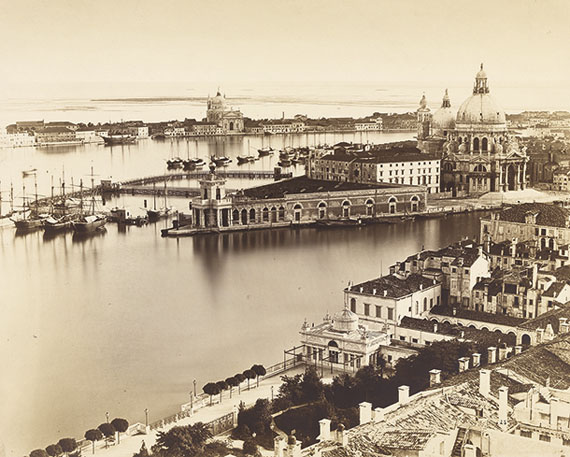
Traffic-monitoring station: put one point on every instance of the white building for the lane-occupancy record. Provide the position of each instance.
(342, 342)
(395, 166)
(16, 140)
(383, 302)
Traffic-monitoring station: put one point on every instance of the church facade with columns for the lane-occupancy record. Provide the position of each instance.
(478, 154)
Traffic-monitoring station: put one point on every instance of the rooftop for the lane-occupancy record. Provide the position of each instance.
(394, 286)
(462, 313)
(303, 184)
(546, 214)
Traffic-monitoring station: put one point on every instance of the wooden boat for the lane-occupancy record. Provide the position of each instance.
(332, 223)
(221, 161)
(53, 225)
(175, 162)
(265, 151)
(29, 219)
(155, 213)
(119, 138)
(90, 222)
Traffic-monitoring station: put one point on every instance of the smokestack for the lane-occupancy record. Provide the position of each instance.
(503, 406)
(325, 430)
(484, 382)
(434, 377)
(476, 359)
(403, 394)
(378, 414)
(365, 412)
(492, 354)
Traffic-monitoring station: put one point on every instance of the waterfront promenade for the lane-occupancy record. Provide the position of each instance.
(131, 444)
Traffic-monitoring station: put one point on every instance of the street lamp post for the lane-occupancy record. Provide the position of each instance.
(271, 393)
(191, 402)
(194, 387)
(146, 416)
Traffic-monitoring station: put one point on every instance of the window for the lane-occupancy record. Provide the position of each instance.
(353, 305)
(390, 314)
(218, 194)
(366, 309)
(544, 437)
(378, 311)
(402, 338)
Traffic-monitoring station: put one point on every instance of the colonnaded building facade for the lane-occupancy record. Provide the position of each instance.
(230, 120)
(299, 201)
(478, 154)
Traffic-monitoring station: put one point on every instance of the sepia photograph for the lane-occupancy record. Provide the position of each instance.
(296, 228)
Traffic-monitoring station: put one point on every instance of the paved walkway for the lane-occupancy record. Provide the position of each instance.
(131, 444)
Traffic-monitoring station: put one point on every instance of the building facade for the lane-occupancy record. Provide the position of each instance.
(545, 223)
(393, 166)
(230, 120)
(478, 153)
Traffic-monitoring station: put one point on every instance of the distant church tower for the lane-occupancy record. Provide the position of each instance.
(424, 119)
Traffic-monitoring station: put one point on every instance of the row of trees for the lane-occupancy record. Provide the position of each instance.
(68, 446)
(215, 388)
(107, 430)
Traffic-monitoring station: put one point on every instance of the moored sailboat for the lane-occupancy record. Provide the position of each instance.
(90, 222)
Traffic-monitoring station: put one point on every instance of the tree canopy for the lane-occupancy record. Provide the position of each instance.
(182, 441)
(67, 444)
(120, 425)
(39, 453)
(54, 450)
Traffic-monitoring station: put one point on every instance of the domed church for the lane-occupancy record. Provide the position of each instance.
(478, 154)
(229, 119)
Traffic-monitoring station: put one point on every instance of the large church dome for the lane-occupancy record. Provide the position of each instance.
(443, 119)
(481, 108)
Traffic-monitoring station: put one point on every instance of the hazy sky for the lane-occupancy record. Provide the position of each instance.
(520, 41)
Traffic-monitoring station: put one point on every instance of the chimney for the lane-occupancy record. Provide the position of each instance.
(469, 450)
(564, 326)
(434, 377)
(463, 364)
(435, 327)
(421, 286)
(503, 406)
(341, 435)
(385, 292)
(325, 430)
(365, 412)
(361, 289)
(279, 446)
(484, 382)
(534, 275)
(518, 349)
(492, 354)
(539, 335)
(476, 359)
(403, 394)
(293, 447)
(378, 414)
(514, 247)
(502, 353)
(554, 412)
(373, 291)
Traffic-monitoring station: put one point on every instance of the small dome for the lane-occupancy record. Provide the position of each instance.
(481, 73)
(345, 321)
(444, 118)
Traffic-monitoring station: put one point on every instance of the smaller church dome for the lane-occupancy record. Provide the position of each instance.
(481, 73)
(345, 321)
(423, 102)
(444, 118)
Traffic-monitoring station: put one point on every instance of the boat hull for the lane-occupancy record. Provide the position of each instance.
(28, 224)
(87, 227)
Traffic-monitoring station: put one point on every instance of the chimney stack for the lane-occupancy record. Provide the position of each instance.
(492, 354)
(539, 335)
(554, 413)
(365, 412)
(434, 377)
(502, 353)
(378, 414)
(385, 292)
(503, 406)
(463, 364)
(564, 326)
(476, 359)
(325, 430)
(279, 446)
(403, 394)
(518, 349)
(484, 382)
(341, 434)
